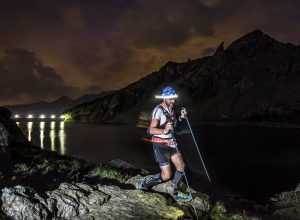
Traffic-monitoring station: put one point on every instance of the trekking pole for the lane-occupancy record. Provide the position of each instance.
(189, 189)
(193, 203)
(187, 120)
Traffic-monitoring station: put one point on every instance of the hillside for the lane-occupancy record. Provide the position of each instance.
(255, 79)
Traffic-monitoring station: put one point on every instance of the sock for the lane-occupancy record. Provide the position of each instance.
(153, 180)
(177, 180)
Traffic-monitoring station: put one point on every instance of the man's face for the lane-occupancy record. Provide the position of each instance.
(170, 102)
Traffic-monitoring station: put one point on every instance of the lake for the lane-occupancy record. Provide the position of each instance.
(255, 162)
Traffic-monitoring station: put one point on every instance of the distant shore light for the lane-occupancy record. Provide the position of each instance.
(30, 116)
(42, 116)
(62, 116)
(17, 116)
(53, 116)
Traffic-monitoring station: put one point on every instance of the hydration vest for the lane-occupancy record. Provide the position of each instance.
(169, 118)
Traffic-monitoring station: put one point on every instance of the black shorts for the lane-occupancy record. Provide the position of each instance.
(163, 153)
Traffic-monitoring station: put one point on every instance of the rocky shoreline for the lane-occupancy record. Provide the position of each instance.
(39, 184)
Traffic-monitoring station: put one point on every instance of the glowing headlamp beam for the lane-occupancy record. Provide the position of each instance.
(166, 97)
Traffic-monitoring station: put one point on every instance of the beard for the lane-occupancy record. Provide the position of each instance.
(170, 105)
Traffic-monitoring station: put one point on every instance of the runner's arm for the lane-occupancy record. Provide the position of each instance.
(154, 130)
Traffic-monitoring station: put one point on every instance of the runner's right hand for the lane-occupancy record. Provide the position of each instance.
(168, 127)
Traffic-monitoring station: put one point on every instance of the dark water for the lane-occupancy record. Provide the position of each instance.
(251, 161)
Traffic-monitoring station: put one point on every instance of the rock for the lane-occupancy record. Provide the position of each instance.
(82, 201)
(3, 136)
(68, 200)
(201, 201)
(298, 188)
(136, 204)
(9, 128)
(285, 200)
(74, 200)
(23, 203)
(286, 205)
(117, 163)
(292, 213)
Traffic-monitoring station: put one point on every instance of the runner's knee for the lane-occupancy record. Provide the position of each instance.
(166, 175)
(180, 166)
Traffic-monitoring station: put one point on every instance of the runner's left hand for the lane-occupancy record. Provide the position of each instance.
(183, 112)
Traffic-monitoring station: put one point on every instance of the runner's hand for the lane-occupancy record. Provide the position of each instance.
(168, 128)
(183, 112)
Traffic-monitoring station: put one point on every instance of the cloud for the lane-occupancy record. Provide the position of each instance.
(210, 3)
(24, 78)
(113, 43)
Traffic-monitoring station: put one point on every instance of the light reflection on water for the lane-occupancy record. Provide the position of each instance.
(47, 135)
(29, 129)
(62, 138)
(52, 135)
(42, 135)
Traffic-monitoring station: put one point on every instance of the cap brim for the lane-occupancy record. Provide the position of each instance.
(166, 96)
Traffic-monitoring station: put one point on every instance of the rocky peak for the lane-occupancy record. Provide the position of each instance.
(252, 44)
(220, 49)
(63, 99)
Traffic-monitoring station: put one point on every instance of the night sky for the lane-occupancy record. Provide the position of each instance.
(52, 48)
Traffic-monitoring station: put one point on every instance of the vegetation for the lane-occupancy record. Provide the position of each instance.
(106, 172)
(219, 212)
(44, 166)
(69, 168)
(68, 117)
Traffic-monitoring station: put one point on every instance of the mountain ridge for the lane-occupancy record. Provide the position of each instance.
(58, 106)
(254, 79)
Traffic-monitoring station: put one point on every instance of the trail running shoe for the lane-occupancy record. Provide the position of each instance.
(140, 185)
(181, 197)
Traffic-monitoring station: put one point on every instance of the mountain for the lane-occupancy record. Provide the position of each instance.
(56, 107)
(255, 79)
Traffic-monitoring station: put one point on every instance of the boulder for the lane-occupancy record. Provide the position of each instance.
(83, 201)
(298, 188)
(74, 200)
(136, 204)
(201, 201)
(286, 205)
(9, 130)
(3, 136)
(23, 203)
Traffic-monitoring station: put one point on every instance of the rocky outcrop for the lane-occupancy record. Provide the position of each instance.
(10, 133)
(298, 188)
(82, 201)
(286, 205)
(3, 136)
(200, 201)
(255, 79)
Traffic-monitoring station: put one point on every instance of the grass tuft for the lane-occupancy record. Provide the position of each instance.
(219, 212)
(105, 172)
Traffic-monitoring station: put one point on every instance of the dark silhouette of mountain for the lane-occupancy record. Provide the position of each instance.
(255, 79)
(56, 107)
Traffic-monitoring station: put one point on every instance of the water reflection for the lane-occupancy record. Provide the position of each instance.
(62, 125)
(29, 129)
(48, 135)
(52, 135)
(62, 138)
(42, 134)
